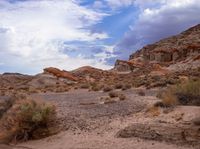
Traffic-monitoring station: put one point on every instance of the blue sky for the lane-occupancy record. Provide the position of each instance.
(67, 34)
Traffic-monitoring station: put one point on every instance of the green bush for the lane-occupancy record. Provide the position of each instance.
(27, 119)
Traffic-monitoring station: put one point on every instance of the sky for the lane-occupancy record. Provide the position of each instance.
(68, 34)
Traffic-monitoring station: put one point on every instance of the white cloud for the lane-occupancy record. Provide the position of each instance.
(164, 19)
(119, 3)
(32, 33)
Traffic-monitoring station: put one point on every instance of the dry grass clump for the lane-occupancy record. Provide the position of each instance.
(96, 87)
(168, 100)
(113, 94)
(118, 86)
(119, 95)
(187, 93)
(153, 111)
(122, 97)
(26, 119)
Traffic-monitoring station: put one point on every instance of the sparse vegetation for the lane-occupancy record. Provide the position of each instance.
(107, 89)
(96, 87)
(118, 86)
(113, 94)
(187, 93)
(26, 119)
(122, 97)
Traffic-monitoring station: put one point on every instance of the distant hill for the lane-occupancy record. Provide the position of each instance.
(180, 52)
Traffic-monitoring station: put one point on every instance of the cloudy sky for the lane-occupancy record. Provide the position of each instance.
(71, 33)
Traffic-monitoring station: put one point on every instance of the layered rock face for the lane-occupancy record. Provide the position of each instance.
(182, 48)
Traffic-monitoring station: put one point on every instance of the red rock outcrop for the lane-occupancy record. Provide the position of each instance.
(183, 47)
(60, 73)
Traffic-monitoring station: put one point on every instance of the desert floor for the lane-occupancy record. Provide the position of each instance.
(88, 123)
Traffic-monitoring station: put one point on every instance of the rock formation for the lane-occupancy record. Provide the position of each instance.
(179, 49)
(60, 73)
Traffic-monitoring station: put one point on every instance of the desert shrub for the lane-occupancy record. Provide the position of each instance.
(122, 97)
(187, 93)
(96, 87)
(26, 119)
(107, 89)
(126, 86)
(154, 111)
(113, 94)
(141, 93)
(5, 105)
(169, 99)
(118, 86)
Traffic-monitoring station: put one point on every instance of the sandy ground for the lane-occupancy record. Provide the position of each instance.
(88, 124)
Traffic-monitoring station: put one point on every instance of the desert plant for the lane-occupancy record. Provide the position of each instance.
(118, 86)
(23, 120)
(126, 86)
(122, 97)
(5, 105)
(113, 94)
(187, 93)
(96, 87)
(168, 99)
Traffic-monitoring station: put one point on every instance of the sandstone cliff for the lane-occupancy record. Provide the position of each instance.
(181, 51)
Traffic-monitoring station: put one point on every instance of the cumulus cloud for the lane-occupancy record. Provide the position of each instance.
(169, 17)
(33, 33)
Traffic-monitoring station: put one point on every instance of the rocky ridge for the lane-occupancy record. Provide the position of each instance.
(179, 52)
